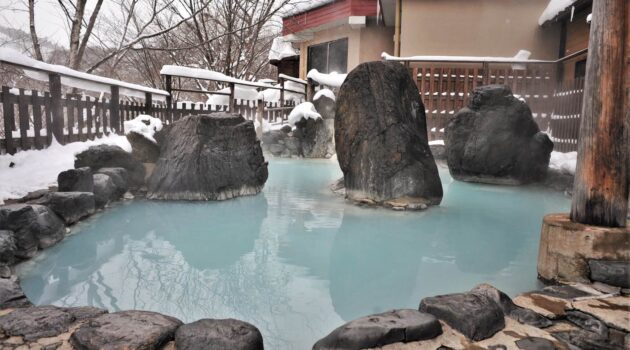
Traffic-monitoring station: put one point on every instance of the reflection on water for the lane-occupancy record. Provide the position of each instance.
(296, 261)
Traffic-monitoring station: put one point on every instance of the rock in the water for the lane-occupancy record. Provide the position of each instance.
(210, 334)
(107, 156)
(209, 157)
(105, 190)
(316, 137)
(381, 137)
(474, 315)
(125, 330)
(75, 180)
(510, 309)
(325, 106)
(142, 148)
(7, 246)
(11, 294)
(614, 273)
(120, 176)
(33, 226)
(36, 322)
(496, 140)
(70, 206)
(396, 326)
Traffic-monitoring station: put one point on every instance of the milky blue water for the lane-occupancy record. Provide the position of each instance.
(295, 260)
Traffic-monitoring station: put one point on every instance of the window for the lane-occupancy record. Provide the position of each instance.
(329, 57)
(580, 69)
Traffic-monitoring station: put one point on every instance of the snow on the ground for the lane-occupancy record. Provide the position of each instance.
(281, 49)
(145, 125)
(304, 110)
(333, 79)
(73, 78)
(38, 169)
(436, 142)
(553, 9)
(324, 92)
(564, 162)
(521, 55)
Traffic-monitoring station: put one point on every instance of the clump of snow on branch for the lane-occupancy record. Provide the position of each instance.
(553, 9)
(38, 169)
(563, 162)
(281, 49)
(324, 92)
(144, 125)
(333, 79)
(305, 110)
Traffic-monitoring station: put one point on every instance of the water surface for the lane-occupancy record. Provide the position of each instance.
(295, 260)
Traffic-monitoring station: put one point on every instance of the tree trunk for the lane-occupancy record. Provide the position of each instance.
(601, 183)
(34, 38)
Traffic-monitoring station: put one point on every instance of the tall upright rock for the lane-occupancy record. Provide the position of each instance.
(208, 157)
(381, 139)
(496, 140)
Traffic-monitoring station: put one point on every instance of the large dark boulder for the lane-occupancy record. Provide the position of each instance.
(496, 140)
(316, 137)
(210, 334)
(473, 314)
(375, 331)
(11, 294)
(70, 206)
(120, 177)
(615, 273)
(522, 315)
(107, 156)
(7, 246)
(381, 137)
(105, 190)
(209, 157)
(143, 149)
(125, 330)
(36, 322)
(325, 106)
(75, 180)
(33, 226)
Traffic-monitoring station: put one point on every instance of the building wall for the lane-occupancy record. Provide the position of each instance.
(476, 28)
(576, 39)
(364, 44)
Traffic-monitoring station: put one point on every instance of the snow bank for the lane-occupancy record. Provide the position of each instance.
(38, 169)
(76, 79)
(324, 92)
(145, 125)
(521, 56)
(553, 9)
(333, 79)
(304, 110)
(281, 49)
(563, 162)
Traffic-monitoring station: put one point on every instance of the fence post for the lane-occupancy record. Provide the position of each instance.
(54, 84)
(9, 121)
(260, 110)
(169, 99)
(281, 81)
(148, 103)
(310, 90)
(232, 102)
(114, 109)
(486, 73)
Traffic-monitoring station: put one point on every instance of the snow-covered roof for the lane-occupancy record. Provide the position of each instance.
(298, 6)
(333, 79)
(553, 9)
(521, 57)
(39, 71)
(280, 49)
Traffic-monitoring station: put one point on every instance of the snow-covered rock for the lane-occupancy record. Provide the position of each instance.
(144, 125)
(333, 79)
(324, 92)
(563, 162)
(305, 110)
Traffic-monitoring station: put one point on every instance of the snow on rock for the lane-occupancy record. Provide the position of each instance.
(563, 162)
(521, 55)
(267, 126)
(333, 79)
(324, 92)
(304, 110)
(553, 9)
(73, 78)
(589, 18)
(38, 169)
(436, 142)
(144, 125)
(281, 49)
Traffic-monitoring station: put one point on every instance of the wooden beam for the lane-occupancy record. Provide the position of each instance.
(601, 183)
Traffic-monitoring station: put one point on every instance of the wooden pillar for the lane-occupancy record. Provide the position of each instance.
(310, 90)
(148, 103)
(56, 110)
(114, 110)
(601, 181)
(281, 82)
(169, 99)
(232, 101)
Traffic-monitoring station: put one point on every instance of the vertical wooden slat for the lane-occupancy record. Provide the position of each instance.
(9, 120)
(89, 118)
(38, 141)
(23, 119)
